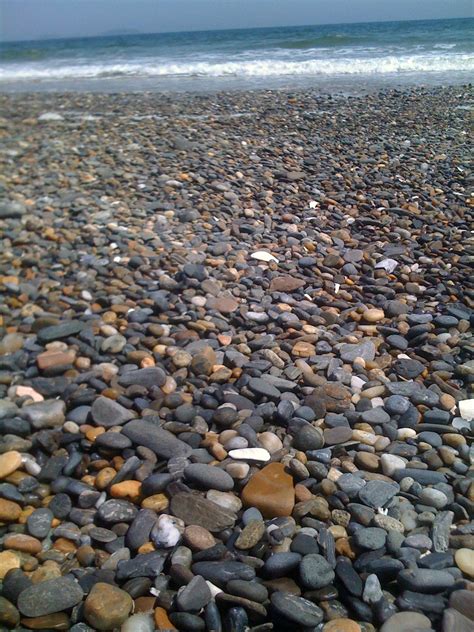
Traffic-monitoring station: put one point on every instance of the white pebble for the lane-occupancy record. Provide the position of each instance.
(138, 623)
(263, 255)
(250, 454)
(466, 409)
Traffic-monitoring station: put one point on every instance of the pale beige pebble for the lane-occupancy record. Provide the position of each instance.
(270, 442)
(374, 391)
(227, 435)
(71, 427)
(225, 500)
(465, 561)
(11, 343)
(56, 345)
(83, 363)
(364, 437)
(250, 454)
(406, 433)
(283, 546)
(9, 463)
(107, 370)
(238, 470)
(27, 391)
(8, 560)
(373, 315)
(337, 531)
(169, 386)
(381, 443)
(108, 330)
(333, 474)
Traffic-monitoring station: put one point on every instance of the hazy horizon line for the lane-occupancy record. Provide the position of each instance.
(135, 32)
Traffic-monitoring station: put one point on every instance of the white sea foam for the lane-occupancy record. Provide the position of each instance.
(270, 67)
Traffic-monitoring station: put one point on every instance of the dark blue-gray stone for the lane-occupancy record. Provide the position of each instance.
(52, 595)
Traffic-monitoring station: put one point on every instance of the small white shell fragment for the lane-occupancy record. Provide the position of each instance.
(466, 409)
(387, 264)
(250, 454)
(263, 255)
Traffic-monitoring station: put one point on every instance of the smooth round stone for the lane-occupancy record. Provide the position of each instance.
(373, 315)
(208, 477)
(464, 559)
(341, 624)
(9, 615)
(270, 442)
(375, 416)
(315, 571)
(425, 580)
(281, 564)
(47, 597)
(371, 538)
(113, 441)
(248, 590)
(390, 463)
(433, 497)
(107, 606)
(8, 561)
(39, 522)
(9, 463)
(406, 622)
(296, 609)
(117, 511)
(418, 541)
(225, 500)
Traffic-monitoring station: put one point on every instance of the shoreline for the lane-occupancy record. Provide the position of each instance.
(236, 375)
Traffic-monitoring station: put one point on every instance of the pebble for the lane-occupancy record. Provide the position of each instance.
(465, 561)
(9, 463)
(271, 491)
(106, 606)
(47, 597)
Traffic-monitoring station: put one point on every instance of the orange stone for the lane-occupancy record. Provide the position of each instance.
(22, 542)
(8, 560)
(342, 625)
(126, 489)
(271, 491)
(9, 511)
(162, 621)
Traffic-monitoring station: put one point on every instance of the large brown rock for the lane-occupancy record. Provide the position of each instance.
(107, 606)
(271, 491)
(286, 284)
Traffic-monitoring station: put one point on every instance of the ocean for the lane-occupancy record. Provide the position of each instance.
(339, 56)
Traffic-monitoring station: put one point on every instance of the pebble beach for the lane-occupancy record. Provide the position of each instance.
(236, 362)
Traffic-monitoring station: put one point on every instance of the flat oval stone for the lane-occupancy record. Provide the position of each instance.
(296, 609)
(250, 454)
(208, 477)
(196, 510)
(53, 595)
(162, 442)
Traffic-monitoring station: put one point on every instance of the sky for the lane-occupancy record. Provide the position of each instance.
(36, 19)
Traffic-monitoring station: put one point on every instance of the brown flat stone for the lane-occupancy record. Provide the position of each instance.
(56, 621)
(271, 491)
(107, 606)
(286, 284)
(223, 304)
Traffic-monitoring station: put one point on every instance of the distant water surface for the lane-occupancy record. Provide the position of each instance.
(428, 52)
